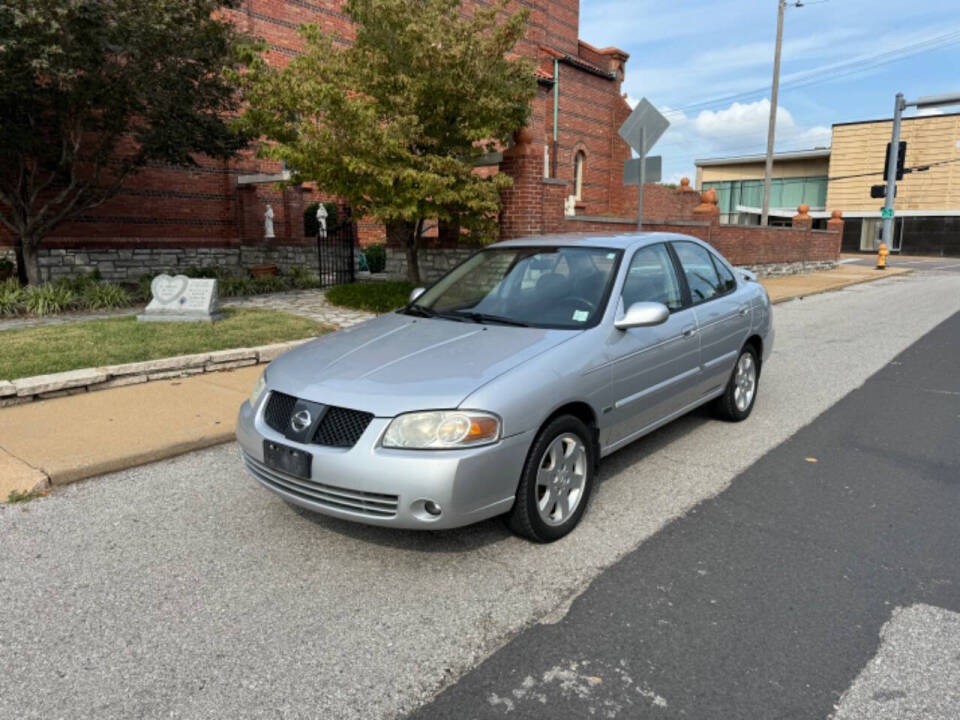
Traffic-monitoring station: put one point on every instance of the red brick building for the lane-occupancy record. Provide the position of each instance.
(168, 218)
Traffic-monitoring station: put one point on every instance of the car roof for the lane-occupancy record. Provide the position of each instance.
(601, 240)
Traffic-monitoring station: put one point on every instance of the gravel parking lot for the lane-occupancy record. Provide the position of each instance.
(183, 589)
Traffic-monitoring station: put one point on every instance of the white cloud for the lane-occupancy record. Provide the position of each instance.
(740, 128)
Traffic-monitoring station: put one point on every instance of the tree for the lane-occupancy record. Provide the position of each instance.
(91, 91)
(395, 123)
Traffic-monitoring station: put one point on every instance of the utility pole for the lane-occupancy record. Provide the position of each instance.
(891, 177)
(930, 101)
(772, 127)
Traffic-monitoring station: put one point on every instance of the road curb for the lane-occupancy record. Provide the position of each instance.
(835, 288)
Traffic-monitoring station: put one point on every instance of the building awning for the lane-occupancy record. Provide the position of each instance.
(784, 212)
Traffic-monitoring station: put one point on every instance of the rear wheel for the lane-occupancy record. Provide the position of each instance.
(556, 481)
(741, 392)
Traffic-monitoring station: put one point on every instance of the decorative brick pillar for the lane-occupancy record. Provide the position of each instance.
(685, 186)
(802, 220)
(250, 214)
(522, 212)
(835, 224)
(707, 210)
(293, 207)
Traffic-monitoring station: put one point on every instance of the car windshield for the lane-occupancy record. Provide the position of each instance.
(545, 287)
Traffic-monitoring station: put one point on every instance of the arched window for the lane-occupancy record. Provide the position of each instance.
(578, 161)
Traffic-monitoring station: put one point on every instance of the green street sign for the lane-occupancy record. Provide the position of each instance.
(886, 213)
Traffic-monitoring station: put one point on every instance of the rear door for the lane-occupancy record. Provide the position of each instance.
(723, 316)
(655, 368)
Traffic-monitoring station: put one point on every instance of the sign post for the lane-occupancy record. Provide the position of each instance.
(641, 130)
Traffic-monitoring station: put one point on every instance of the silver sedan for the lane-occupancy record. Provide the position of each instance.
(498, 390)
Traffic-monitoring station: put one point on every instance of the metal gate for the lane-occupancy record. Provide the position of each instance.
(335, 254)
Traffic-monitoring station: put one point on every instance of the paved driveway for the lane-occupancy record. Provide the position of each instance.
(182, 589)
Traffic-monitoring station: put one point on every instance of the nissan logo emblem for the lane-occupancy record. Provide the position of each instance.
(301, 420)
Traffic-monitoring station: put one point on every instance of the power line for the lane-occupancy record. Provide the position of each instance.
(837, 70)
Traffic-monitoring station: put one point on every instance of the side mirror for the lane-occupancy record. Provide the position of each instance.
(643, 314)
(416, 292)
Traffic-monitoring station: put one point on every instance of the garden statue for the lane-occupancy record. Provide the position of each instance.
(322, 220)
(268, 222)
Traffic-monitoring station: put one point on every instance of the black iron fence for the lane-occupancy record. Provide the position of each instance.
(336, 254)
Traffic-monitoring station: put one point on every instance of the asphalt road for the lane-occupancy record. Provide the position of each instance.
(925, 264)
(183, 589)
(768, 600)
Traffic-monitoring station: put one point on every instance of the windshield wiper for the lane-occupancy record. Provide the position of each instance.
(419, 311)
(485, 317)
(423, 311)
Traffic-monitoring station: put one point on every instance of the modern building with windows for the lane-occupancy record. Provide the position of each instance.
(799, 177)
(927, 204)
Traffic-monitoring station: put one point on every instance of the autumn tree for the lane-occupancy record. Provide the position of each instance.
(91, 91)
(396, 122)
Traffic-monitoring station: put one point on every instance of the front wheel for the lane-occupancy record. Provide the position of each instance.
(741, 392)
(556, 481)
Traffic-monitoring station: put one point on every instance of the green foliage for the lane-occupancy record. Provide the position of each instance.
(396, 122)
(302, 279)
(235, 286)
(269, 283)
(377, 296)
(376, 256)
(17, 496)
(91, 343)
(104, 296)
(11, 297)
(48, 299)
(92, 91)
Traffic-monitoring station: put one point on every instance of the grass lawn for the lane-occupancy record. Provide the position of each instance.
(91, 343)
(377, 296)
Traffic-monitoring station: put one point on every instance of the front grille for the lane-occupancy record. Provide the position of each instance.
(374, 505)
(278, 411)
(340, 427)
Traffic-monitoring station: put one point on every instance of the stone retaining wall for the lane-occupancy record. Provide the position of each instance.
(434, 262)
(128, 264)
(43, 387)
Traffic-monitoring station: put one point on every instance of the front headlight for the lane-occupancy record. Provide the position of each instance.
(442, 430)
(258, 387)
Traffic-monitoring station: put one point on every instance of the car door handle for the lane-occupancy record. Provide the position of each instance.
(744, 310)
(689, 331)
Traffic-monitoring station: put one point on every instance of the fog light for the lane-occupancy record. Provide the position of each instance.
(431, 507)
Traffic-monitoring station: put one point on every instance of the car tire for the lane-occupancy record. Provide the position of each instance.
(556, 482)
(739, 396)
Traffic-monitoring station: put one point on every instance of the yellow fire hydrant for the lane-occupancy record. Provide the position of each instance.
(882, 253)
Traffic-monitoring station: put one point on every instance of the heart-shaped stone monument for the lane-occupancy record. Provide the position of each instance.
(167, 289)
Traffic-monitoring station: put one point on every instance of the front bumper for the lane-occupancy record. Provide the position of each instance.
(379, 486)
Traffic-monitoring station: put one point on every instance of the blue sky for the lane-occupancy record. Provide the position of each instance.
(687, 52)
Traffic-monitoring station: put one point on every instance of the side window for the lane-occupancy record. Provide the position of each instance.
(651, 278)
(727, 283)
(698, 268)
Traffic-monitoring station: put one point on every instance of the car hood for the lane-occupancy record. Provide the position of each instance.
(397, 363)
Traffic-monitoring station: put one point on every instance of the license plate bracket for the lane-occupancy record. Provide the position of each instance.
(286, 459)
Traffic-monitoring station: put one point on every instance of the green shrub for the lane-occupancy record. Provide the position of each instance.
(376, 257)
(103, 296)
(378, 297)
(48, 299)
(300, 278)
(11, 297)
(268, 284)
(214, 273)
(233, 286)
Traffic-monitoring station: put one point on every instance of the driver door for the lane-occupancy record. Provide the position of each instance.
(655, 369)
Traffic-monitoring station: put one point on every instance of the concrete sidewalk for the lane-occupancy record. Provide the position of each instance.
(66, 439)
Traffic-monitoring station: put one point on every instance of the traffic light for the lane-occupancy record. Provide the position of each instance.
(901, 157)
